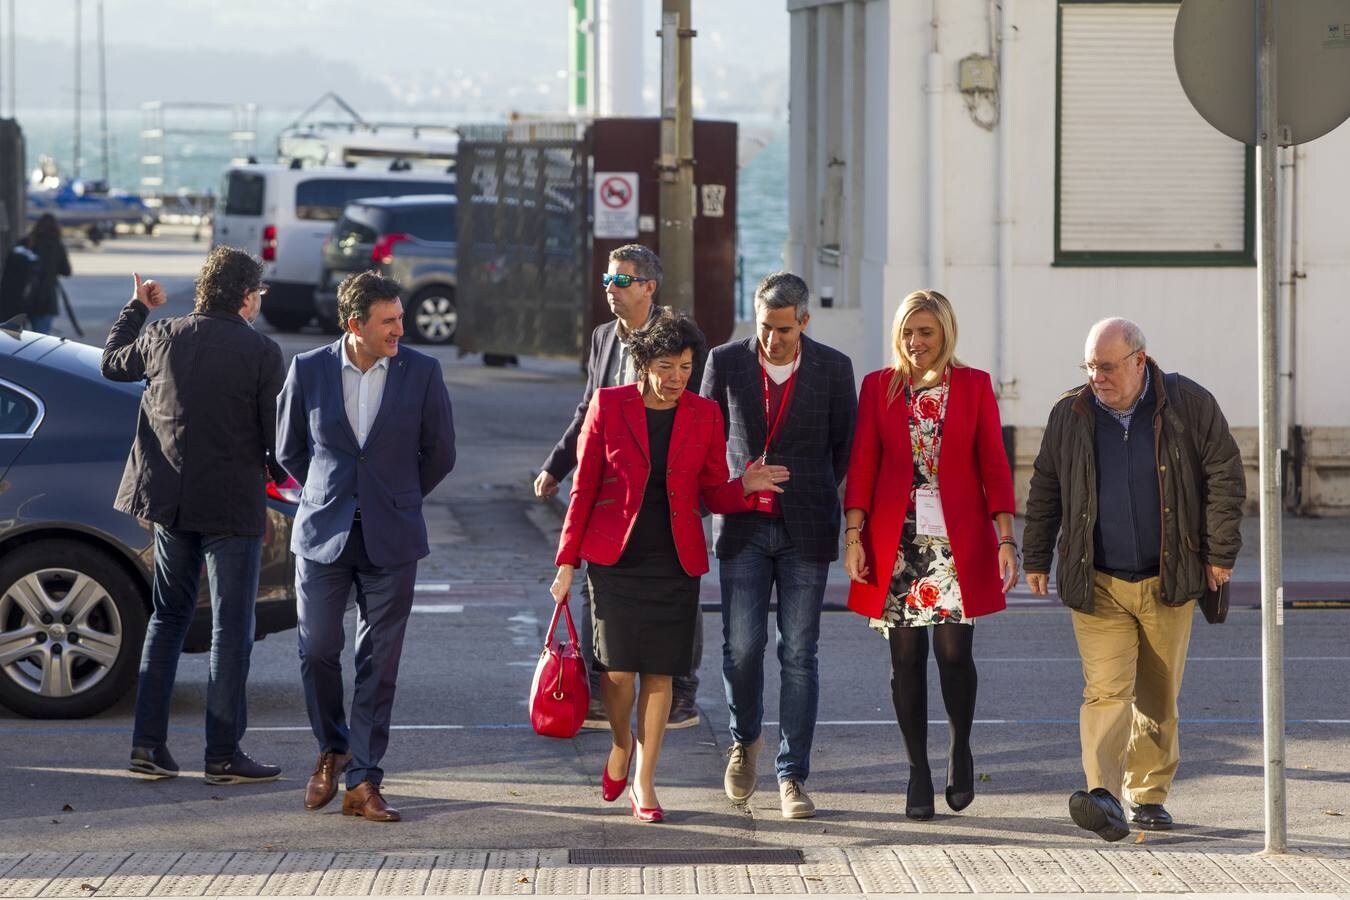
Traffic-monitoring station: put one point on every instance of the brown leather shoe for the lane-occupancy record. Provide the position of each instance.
(322, 786)
(364, 800)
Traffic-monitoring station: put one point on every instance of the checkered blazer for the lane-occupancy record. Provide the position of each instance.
(814, 443)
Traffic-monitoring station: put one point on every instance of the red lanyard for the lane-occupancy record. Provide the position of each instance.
(929, 455)
(783, 404)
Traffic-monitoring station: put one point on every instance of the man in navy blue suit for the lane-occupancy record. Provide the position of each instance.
(365, 426)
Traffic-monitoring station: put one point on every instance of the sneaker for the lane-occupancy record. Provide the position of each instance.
(155, 761)
(240, 769)
(596, 717)
(739, 780)
(794, 800)
(683, 714)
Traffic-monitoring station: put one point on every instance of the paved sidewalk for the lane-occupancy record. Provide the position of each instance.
(951, 869)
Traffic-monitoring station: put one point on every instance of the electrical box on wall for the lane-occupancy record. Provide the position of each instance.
(976, 75)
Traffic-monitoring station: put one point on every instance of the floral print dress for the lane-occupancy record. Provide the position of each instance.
(924, 590)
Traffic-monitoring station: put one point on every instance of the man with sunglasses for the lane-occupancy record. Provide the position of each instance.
(630, 285)
(204, 451)
(1140, 473)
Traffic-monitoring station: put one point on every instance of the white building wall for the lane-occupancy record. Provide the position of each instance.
(1201, 321)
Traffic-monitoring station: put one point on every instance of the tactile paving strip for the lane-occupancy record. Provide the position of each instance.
(1144, 872)
(1038, 870)
(777, 883)
(932, 872)
(1311, 875)
(510, 872)
(33, 873)
(403, 874)
(986, 871)
(1090, 871)
(244, 875)
(1199, 873)
(1253, 873)
(298, 874)
(669, 880)
(616, 880)
(191, 875)
(560, 880)
(457, 872)
(85, 875)
(138, 874)
(879, 871)
(723, 880)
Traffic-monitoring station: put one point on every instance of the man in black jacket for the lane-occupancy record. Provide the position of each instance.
(1140, 486)
(789, 401)
(630, 285)
(199, 467)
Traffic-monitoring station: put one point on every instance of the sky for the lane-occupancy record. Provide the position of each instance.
(480, 55)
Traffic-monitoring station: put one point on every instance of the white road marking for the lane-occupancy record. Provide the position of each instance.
(438, 608)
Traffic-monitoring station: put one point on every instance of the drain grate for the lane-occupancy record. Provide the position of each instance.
(747, 857)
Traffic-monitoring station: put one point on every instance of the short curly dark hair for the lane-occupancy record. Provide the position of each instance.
(359, 290)
(227, 277)
(670, 335)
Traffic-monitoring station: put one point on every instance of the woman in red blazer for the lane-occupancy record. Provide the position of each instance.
(929, 530)
(648, 454)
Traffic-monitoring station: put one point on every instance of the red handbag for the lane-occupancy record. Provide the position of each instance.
(561, 691)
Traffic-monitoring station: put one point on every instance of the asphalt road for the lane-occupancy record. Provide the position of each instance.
(468, 772)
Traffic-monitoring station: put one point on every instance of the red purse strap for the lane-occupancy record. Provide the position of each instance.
(565, 611)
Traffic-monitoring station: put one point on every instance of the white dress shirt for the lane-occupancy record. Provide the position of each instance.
(362, 393)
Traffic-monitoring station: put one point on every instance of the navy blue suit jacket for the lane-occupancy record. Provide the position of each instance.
(410, 448)
(814, 443)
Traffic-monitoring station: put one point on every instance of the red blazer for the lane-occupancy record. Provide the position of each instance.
(975, 484)
(612, 469)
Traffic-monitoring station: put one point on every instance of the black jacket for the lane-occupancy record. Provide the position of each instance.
(604, 344)
(1200, 483)
(815, 441)
(206, 431)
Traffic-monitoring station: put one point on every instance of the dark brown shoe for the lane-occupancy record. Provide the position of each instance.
(364, 800)
(322, 786)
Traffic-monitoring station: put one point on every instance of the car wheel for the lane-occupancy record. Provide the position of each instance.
(287, 319)
(434, 316)
(72, 622)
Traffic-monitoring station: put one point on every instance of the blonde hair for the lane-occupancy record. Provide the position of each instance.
(941, 308)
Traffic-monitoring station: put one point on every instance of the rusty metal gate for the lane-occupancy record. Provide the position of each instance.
(523, 241)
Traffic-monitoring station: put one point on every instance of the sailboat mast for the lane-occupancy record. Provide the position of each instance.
(78, 98)
(103, 98)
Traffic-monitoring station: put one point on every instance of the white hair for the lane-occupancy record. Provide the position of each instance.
(1131, 333)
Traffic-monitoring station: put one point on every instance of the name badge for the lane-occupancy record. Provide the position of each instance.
(928, 513)
(764, 500)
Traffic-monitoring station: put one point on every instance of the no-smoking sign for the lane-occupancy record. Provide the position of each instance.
(616, 204)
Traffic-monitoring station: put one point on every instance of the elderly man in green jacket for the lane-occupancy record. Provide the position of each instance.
(1141, 482)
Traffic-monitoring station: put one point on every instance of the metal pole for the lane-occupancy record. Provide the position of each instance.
(677, 157)
(1272, 589)
(103, 101)
(79, 100)
(13, 81)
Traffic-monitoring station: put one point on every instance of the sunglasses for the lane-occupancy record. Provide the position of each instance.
(622, 281)
(261, 289)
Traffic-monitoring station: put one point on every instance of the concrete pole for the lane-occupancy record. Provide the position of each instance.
(619, 54)
(1272, 588)
(677, 156)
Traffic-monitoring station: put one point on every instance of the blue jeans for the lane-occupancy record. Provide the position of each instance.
(748, 580)
(41, 324)
(232, 565)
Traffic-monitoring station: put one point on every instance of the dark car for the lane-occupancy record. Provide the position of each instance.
(75, 574)
(409, 239)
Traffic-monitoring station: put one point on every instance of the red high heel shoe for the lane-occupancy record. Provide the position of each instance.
(644, 813)
(610, 788)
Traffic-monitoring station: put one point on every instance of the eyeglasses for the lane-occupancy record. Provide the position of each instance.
(261, 289)
(1107, 369)
(622, 281)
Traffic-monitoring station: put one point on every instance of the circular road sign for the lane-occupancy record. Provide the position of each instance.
(1214, 46)
(616, 192)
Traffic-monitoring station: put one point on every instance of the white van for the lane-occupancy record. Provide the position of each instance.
(285, 214)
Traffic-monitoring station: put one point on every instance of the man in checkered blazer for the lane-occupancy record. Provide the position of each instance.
(792, 401)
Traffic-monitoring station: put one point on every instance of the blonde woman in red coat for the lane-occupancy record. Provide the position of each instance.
(928, 535)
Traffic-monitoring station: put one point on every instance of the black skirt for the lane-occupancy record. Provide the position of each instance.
(643, 623)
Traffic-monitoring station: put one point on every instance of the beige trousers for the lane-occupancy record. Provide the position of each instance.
(1133, 649)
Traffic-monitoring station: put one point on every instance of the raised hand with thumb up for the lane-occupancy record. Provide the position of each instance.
(151, 293)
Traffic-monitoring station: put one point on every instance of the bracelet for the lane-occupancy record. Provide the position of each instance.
(1008, 540)
(851, 543)
(857, 528)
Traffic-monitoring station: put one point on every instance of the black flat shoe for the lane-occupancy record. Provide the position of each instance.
(1152, 817)
(960, 781)
(919, 795)
(1099, 812)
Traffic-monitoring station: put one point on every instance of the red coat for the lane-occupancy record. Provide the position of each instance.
(975, 483)
(612, 469)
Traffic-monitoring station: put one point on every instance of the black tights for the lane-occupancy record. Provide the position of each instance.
(952, 645)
